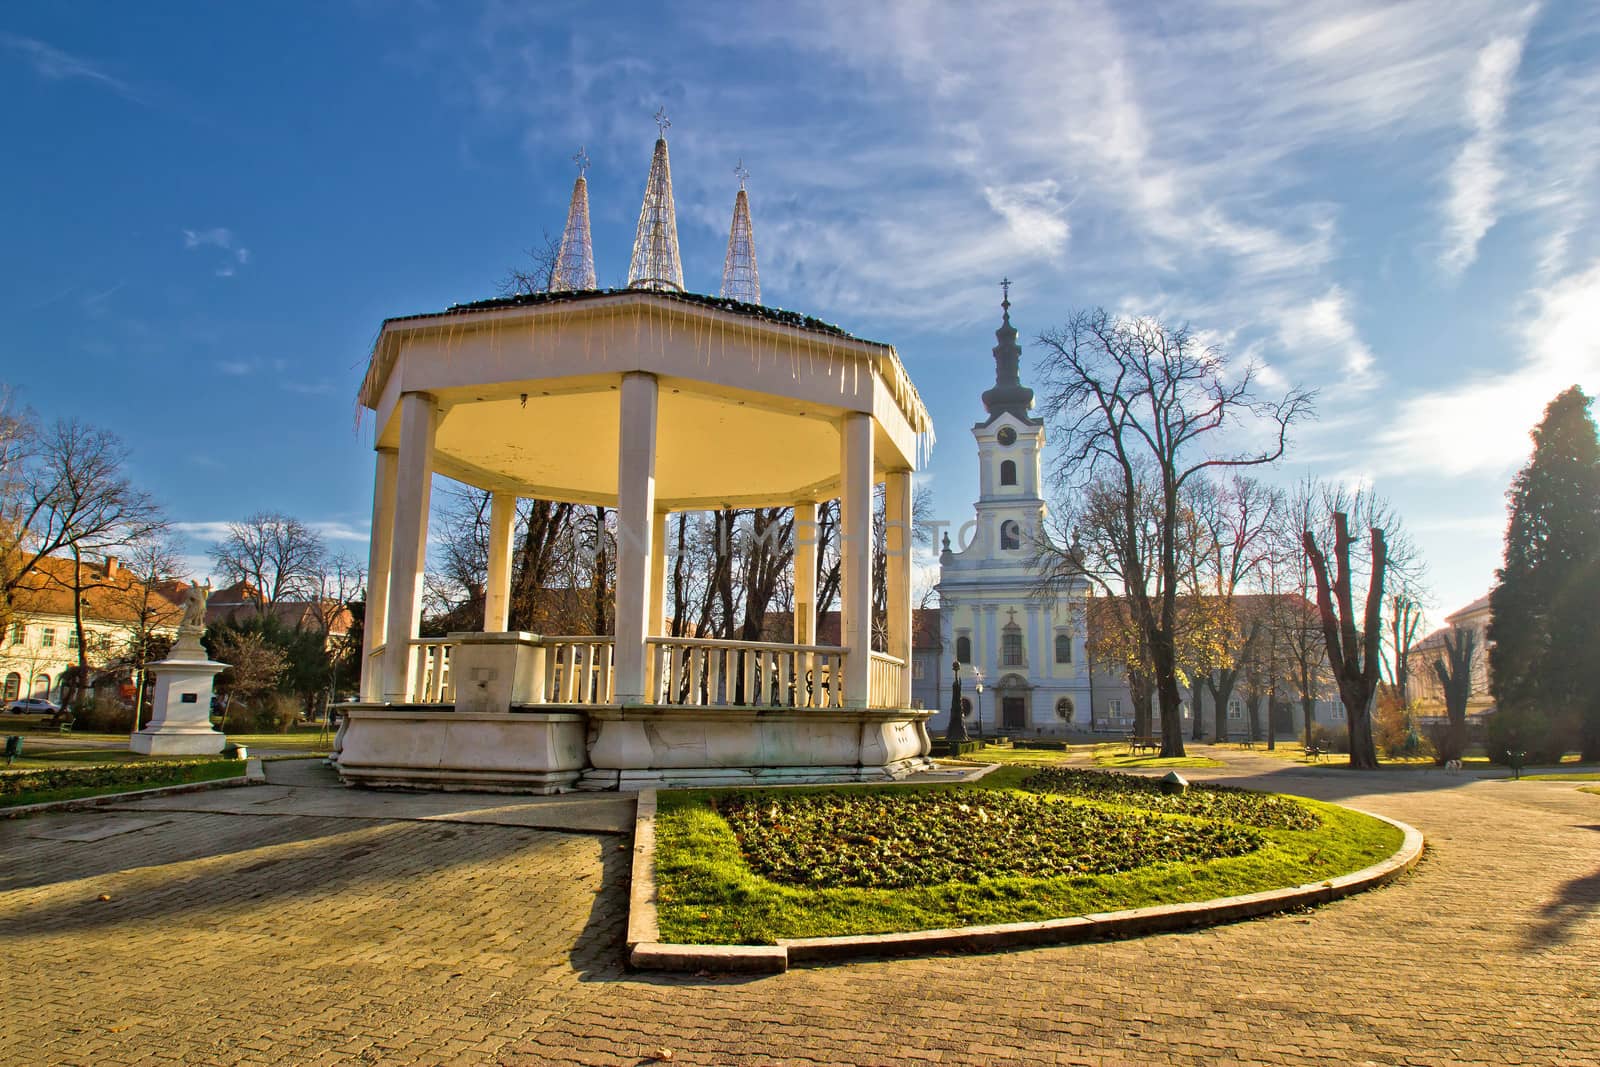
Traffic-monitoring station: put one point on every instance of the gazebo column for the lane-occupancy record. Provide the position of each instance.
(497, 586)
(636, 521)
(413, 486)
(805, 572)
(855, 556)
(658, 575)
(897, 548)
(380, 546)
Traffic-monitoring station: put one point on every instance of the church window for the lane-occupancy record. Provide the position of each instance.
(1011, 648)
(1063, 648)
(964, 649)
(1010, 534)
(13, 686)
(1064, 709)
(1008, 472)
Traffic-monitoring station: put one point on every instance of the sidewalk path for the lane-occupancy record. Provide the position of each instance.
(302, 923)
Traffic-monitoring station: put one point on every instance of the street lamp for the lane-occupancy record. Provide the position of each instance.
(979, 690)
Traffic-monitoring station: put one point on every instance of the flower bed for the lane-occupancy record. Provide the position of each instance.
(898, 841)
(44, 783)
(1245, 806)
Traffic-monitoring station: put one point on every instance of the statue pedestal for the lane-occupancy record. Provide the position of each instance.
(181, 723)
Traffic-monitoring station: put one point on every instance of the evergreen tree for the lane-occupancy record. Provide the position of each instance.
(1546, 627)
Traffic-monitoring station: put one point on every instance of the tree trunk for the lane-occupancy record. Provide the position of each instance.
(1164, 658)
(1197, 695)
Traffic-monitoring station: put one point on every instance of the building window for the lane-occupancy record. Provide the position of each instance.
(19, 633)
(1235, 710)
(963, 649)
(47, 638)
(1011, 648)
(13, 686)
(1063, 648)
(72, 638)
(919, 668)
(41, 687)
(1010, 534)
(1115, 708)
(1064, 709)
(1008, 472)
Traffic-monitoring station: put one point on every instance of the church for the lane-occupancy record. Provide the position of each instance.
(1027, 653)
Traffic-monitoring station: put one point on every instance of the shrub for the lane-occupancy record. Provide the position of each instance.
(1211, 801)
(1544, 737)
(1395, 731)
(103, 715)
(1330, 740)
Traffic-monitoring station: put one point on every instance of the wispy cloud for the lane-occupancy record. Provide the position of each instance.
(1321, 328)
(223, 239)
(1480, 425)
(1475, 177)
(53, 64)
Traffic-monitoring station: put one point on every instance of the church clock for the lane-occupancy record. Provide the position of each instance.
(1006, 436)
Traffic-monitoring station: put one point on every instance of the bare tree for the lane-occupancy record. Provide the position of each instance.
(276, 555)
(147, 597)
(535, 274)
(1405, 626)
(1454, 670)
(1131, 395)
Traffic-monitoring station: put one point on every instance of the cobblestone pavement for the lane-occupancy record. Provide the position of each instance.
(293, 937)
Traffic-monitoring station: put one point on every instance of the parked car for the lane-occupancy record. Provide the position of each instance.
(33, 706)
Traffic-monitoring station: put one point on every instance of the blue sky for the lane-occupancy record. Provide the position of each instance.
(1399, 205)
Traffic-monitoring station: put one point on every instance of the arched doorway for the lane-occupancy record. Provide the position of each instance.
(1014, 694)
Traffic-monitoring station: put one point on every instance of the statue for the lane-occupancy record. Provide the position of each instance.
(194, 607)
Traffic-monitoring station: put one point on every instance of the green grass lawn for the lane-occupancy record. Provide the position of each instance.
(1037, 757)
(1595, 789)
(1115, 754)
(709, 892)
(1575, 776)
(61, 780)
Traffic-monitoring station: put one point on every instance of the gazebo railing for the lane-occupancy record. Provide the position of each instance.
(698, 671)
(578, 670)
(430, 671)
(884, 676)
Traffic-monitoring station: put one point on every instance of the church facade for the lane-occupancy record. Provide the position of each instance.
(1027, 652)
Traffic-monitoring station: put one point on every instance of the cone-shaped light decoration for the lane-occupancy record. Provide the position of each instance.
(575, 262)
(655, 247)
(740, 278)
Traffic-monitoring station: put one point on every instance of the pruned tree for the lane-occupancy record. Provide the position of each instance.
(1405, 627)
(1354, 645)
(278, 557)
(1454, 669)
(1130, 396)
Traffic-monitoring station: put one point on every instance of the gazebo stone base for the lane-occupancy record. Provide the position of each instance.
(650, 747)
(434, 747)
(628, 748)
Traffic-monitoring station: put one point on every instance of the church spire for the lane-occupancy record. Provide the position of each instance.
(655, 247)
(740, 278)
(575, 262)
(1008, 394)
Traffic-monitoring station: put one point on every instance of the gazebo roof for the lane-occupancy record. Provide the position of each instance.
(755, 311)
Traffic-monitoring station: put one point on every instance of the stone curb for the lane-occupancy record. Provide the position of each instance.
(253, 775)
(647, 952)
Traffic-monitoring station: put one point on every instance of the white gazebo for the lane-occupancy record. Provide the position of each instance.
(650, 402)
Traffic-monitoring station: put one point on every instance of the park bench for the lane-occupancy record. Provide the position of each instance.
(1315, 752)
(1138, 743)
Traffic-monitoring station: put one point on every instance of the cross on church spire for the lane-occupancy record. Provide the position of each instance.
(1005, 291)
(582, 160)
(662, 122)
